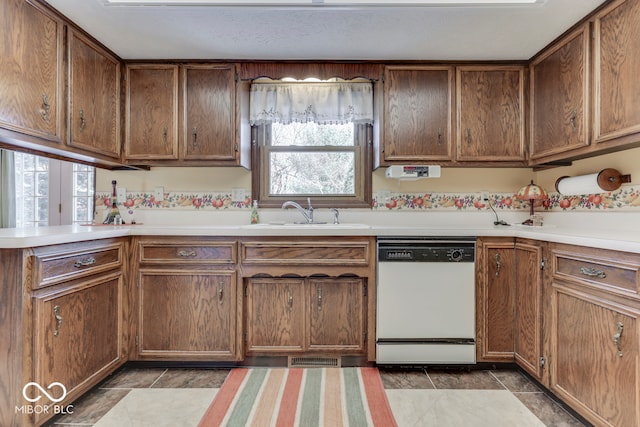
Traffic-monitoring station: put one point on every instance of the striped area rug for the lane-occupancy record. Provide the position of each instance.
(309, 397)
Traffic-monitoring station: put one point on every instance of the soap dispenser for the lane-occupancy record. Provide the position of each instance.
(255, 215)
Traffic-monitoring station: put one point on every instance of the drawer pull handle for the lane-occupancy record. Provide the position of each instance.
(290, 299)
(319, 298)
(56, 314)
(572, 120)
(84, 262)
(83, 122)
(220, 293)
(45, 108)
(498, 265)
(617, 337)
(195, 136)
(186, 253)
(592, 272)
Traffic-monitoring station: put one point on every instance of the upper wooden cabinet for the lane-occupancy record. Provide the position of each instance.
(559, 91)
(182, 114)
(209, 111)
(31, 70)
(490, 113)
(94, 97)
(616, 69)
(418, 103)
(151, 112)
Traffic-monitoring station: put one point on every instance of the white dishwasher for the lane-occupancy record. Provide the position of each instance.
(426, 301)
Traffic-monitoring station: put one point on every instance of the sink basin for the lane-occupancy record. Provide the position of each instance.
(295, 225)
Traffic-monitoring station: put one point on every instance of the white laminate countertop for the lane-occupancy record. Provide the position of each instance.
(622, 240)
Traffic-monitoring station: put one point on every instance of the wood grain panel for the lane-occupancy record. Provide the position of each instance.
(187, 252)
(559, 83)
(490, 112)
(85, 342)
(56, 264)
(320, 252)
(151, 112)
(616, 68)
(418, 120)
(303, 70)
(337, 315)
(587, 372)
(275, 315)
(187, 314)
(31, 60)
(209, 112)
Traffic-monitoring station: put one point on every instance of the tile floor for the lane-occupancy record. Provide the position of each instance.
(419, 398)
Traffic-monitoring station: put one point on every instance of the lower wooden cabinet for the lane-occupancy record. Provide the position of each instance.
(319, 315)
(495, 299)
(187, 315)
(78, 332)
(530, 266)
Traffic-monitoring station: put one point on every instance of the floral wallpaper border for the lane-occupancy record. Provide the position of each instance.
(624, 198)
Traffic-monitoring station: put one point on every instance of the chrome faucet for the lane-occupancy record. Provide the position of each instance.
(306, 213)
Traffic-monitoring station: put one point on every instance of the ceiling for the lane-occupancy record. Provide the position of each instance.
(323, 32)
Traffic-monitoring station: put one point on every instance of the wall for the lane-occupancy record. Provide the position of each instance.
(458, 189)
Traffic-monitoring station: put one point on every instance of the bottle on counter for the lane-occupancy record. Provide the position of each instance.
(255, 215)
(114, 212)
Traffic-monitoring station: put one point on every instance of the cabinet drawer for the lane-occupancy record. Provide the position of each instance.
(329, 253)
(188, 253)
(66, 262)
(616, 271)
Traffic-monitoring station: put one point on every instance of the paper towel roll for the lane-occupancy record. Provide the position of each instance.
(605, 180)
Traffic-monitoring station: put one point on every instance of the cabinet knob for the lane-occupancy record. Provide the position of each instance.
(617, 337)
(220, 293)
(82, 120)
(572, 120)
(45, 108)
(498, 264)
(195, 136)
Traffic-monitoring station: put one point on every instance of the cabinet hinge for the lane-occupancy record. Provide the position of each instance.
(543, 263)
(382, 147)
(246, 290)
(543, 362)
(365, 290)
(235, 147)
(235, 77)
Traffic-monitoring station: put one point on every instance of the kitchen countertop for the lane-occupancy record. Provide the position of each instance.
(621, 240)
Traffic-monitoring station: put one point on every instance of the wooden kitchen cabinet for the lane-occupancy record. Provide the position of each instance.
(32, 76)
(559, 97)
(186, 297)
(195, 113)
(151, 112)
(495, 299)
(314, 315)
(595, 330)
(418, 103)
(615, 75)
(78, 315)
(187, 315)
(490, 113)
(275, 315)
(94, 97)
(529, 283)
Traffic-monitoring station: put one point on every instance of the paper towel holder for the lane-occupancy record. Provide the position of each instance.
(608, 179)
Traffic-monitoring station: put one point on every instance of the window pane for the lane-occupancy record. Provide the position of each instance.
(83, 193)
(306, 173)
(312, 134)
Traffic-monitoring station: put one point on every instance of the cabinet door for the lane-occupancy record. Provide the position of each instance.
(528, 349)
(209, 113)
(616, 70)
(559, 94)
(417, 114)
(337, 314)
(496, 301)
(78, 334)
(275, 316)
(490, 108)
(595, 366)
(31, 81)
(152, 112)
(187, 315)
(94, 97)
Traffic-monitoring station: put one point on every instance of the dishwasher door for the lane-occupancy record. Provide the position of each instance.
(426, 310)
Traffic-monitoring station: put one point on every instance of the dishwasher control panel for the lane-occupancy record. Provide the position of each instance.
(403, 250)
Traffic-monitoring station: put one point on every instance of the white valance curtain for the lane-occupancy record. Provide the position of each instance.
(319, 102)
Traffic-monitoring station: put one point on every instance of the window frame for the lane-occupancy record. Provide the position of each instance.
(362, 149)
